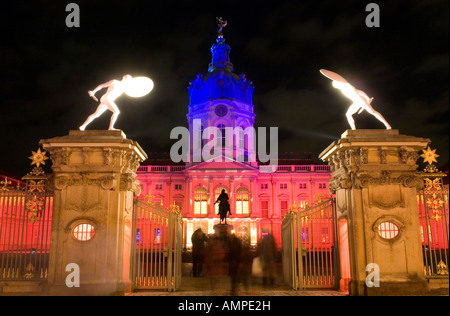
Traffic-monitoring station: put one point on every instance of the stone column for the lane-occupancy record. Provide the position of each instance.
(374, 178)
(94, 179)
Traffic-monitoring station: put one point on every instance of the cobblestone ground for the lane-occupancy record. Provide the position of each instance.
(220, 286)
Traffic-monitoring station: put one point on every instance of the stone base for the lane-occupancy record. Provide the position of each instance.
(223, 229)
(20, 287)
(386, 288)
(105, 289)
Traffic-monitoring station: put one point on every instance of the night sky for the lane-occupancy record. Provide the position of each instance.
(47, 68)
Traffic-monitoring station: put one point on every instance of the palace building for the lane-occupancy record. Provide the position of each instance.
(259, 198)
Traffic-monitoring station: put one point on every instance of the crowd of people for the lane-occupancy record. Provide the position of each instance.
(215, 256)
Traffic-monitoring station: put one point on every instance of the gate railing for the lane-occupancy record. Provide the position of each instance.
(309, 247)
(25, 228)
(156, 252)
(434, 224)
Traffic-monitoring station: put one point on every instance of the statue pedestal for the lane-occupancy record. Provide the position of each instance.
(375, 180)
(223, 229)
(94, 180)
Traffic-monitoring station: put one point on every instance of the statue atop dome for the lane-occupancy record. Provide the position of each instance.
(221, 25)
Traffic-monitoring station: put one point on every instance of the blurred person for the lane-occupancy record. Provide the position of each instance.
(245, 269)
(198, 251)
(267, 252)
(215, 260)
(234, 261)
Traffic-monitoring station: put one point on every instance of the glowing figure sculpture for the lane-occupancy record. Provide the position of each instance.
(134, 87)
(361, 100)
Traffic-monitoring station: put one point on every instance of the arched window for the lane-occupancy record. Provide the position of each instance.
(241, 201)
(200, 201)
(204, 141)
(302, 200)
(221, 138)
(217, 193)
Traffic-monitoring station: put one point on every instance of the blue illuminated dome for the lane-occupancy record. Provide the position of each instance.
(220, 82)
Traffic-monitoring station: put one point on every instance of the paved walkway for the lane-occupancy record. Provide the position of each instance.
(220, 286)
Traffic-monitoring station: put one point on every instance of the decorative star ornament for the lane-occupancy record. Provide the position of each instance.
(429, 155)
(38, 158)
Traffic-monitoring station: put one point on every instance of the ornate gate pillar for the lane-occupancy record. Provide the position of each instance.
(94, 179)
(374, 178)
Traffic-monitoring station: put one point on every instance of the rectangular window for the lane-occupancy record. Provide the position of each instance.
(241, 138)
(283, 207)
(302, 186)
(178, 187)
(200, 207)
(180, 205)
(241, 207)
(158, 187)
(264, 186)
(322, 185)
(283, 186)
(264, 209)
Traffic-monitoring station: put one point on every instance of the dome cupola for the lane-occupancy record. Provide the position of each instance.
(220, 82)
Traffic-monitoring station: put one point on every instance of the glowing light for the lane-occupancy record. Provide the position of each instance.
(388, 230)
(84, 232)
(189, 232)
(253, 235)
(138, 87)
(429, 155)
(361, 100)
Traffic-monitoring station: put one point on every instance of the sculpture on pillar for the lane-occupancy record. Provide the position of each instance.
(221, 25)
(133, 87)
(361, 100)
(224, 206)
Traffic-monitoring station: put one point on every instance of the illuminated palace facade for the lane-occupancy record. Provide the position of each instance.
(258, 199)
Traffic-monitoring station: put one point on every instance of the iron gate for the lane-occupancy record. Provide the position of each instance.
(156, 252)
(310, 247)
(434, 222)
(25, 227)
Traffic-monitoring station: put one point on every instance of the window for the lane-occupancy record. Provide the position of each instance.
(200, 199)
(217, 193)
(322, 185)
(302, 186)
(388, 230)
(204, 141)
(324, 231)
(283, 186)
(178, 187)
(157, 235)
(241, 201)
(221, 138)
(179, 204)
(303, 202)
(138, 236)
(241, 137)
(83, 232)
(159, 186)
(283, 207)
(264, 186)
(264, 209)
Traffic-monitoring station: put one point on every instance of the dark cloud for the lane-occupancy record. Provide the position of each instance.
(48, 68)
